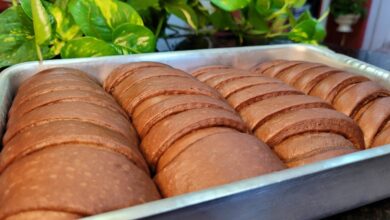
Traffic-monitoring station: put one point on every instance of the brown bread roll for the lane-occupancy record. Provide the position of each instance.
(121, 72)
(54, 75)
(97, 98)
(307, 148)
(228, 88)
(245, 97)
(68, 131)
(148, 103)
(300, 121)
(261, 67)
(176, 104)
(169, 130)
(382, 138)
(203, 70)
(145, 74)
(290, 75)
(350, 100)
(256, 114)
(54, 87)
(228, 76)
(374, 119)
(276, 69)
(328, 88)
(80, 111)
(74, 179)
(39, 215)
(312, 77)
(214, 160)
(162, 86)
(186, 141)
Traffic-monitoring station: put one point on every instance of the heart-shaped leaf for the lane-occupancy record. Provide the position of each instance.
(231, 5)
(134, 38)
(87, 47)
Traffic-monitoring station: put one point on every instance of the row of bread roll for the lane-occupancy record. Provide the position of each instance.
(69, 151)
(301, 129)
(190, 136)
(365, 101)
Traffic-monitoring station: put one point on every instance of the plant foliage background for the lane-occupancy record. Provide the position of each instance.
(44, 29)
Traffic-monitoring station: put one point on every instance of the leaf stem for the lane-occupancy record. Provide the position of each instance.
(159, 26)
(14, 2)
(39, 52)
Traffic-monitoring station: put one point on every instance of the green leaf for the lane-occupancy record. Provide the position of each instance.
(41, 22)
(184, 12)
(257, 20)
(87, 47)
(309, 31)
(134, 38)
(144, 4)
(98, 18)
(17, 43)
(66, 28)
(231, 5)
(320, 32)
(222, 20)
(299, 3)
(26, 5)
(263, 7)
(306, 15)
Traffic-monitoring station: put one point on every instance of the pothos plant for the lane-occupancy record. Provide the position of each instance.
(43, 29)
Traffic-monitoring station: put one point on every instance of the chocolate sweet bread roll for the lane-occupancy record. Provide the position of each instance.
(351, 99)
(226, 77)
(143, 74)
(69, 151)
(260, 112)
(245, 97)
(330, 86)
(181, 145)
(214, 160)
(99, 99)
(174, 105)
(306, 148)
(176, 126)
(276, 69)
(263, 66)
(290, 75)
(276, 112)
(312, 77)
(144, 90)
(231, 87)
(205, 70)
(176, 114)
(122, 71)
(374, 119)
(382, 138)
(72, 180)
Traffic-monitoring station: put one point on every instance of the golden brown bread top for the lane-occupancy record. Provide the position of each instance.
(181, 145)
(245, 97)
(80, 111)
(175, 104)
(329, 87)
(145, 74)
(312, 77)
(68, 131)
(382, 137)
(301, 121)
(162, 86)
(276, 69)
(290, 75)
(310, 147)
(97, 98)
(350, 100)
(374, 119)
(148, 103)
(214, 160)
(122, 71)
(169, 130)
(73, 178)
(256, 114)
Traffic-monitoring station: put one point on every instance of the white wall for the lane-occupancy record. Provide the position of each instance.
(377, 35)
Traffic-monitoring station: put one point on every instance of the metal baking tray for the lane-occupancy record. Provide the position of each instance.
(311, 191)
